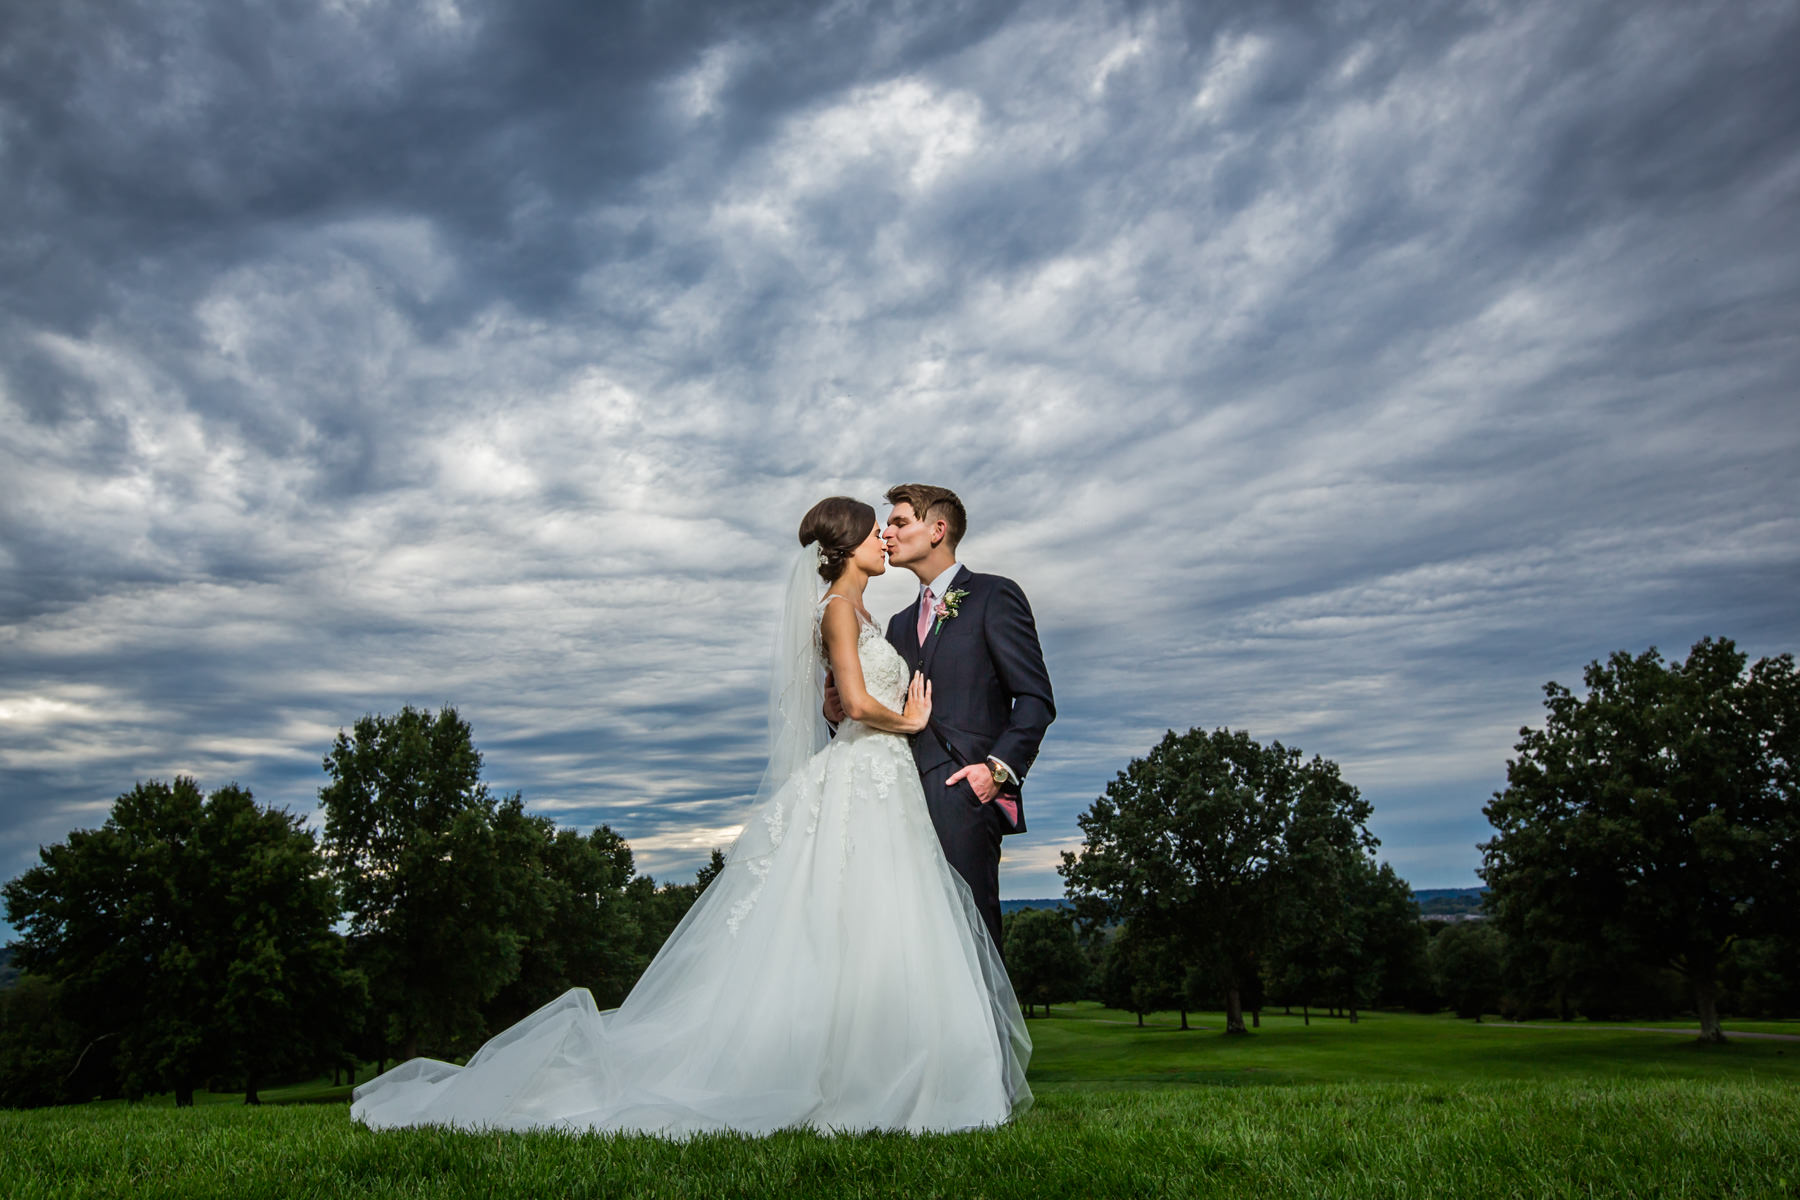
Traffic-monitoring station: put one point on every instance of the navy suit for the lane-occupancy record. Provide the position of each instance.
(990, 696)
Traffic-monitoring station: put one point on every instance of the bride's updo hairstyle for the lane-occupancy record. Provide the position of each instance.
(839, 525)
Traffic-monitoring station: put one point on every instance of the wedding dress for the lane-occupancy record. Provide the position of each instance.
(835, 976)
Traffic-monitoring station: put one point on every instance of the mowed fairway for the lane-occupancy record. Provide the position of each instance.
(1395, 1105)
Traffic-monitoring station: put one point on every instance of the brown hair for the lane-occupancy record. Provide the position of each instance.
(839, 524)
(931, 503)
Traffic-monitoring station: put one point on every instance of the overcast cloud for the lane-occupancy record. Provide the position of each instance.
(1338, 373)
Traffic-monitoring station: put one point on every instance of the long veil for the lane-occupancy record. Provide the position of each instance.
(797, 729)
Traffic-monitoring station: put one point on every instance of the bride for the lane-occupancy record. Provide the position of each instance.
(835, 976)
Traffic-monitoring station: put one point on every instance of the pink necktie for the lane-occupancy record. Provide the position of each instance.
(925, 607)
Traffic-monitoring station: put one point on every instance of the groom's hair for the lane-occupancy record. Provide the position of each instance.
(933, 503)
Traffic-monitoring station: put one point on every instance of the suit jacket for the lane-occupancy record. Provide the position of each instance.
(990, 691)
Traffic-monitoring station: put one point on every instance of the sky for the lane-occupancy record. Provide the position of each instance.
(1339, 373)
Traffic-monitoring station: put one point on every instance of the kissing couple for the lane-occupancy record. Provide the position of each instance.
(843, 972)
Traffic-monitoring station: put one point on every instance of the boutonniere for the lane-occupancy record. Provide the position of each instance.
(948, 607)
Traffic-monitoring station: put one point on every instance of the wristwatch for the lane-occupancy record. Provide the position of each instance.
(1002, 773)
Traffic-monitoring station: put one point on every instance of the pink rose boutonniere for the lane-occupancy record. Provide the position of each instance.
(948, 607)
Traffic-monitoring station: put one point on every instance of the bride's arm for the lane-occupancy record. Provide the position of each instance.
(840, 632)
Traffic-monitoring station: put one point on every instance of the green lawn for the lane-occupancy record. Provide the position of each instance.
(1082, 1046)
(1394, 1105)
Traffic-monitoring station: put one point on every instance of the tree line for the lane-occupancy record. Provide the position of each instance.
(1645, 862)
(204, 941)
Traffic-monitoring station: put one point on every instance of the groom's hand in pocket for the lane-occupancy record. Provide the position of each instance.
(980, 780)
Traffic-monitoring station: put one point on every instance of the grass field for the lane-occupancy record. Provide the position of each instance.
(1396, 1105)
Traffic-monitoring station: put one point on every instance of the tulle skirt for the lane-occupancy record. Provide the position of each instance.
(835, 976)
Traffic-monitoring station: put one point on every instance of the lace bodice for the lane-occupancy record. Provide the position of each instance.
(884, 671)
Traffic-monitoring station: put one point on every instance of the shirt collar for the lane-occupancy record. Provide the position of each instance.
(941, 584)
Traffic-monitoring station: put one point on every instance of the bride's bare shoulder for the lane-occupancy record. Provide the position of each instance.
(833, 616)
(857, 615)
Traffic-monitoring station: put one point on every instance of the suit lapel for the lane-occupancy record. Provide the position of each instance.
(935, 634)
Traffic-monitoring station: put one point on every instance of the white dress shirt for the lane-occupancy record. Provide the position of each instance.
(941, 584)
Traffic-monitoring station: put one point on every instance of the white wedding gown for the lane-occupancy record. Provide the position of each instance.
(835, 976)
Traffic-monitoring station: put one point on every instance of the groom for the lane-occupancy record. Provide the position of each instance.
(973, 637)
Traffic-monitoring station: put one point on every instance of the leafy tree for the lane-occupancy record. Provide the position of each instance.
(1616, 986)
(112, 916)
(1118, 976)
(1193, 844)
(709, 872)
(1383, 943)
(1466, 961)
(583, 933)
(1401, 940)
(39, 1046)
(660, 908)
(1657, 816)
(1344, 920)
(1547, 976)
(1764, 977)
(437, 877)
(1314, 943)
(281, 991)
(1142, 974)
(1043, 957)
(192, 933)
(1094, 941)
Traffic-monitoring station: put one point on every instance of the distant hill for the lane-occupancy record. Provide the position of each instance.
(1424, 894)
(1449, 902)
(1007, 906)
(9, 974)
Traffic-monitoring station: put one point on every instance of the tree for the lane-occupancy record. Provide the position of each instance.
(1119, 975)
(1043, 957)
(1466, 964)
(437, 877)
(192, 934)
(660, 908)
(1539, 977)
(1141, 974)
(1192, 843)
(112, 916)
(282, 994)
(1393, 937)
(1314, 937)
(711, 871)
(1376, 938)
(585, 931)
(39, 1045)
(1764, 975)
(1657, 816)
